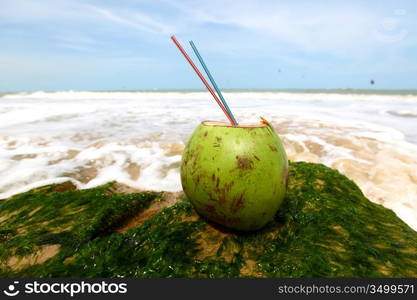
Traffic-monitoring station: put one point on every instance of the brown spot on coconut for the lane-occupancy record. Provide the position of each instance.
(273, 148)
(244, 162)
(238, 203)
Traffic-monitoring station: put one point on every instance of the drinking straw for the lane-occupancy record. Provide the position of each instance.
(212, 81)
(202, 79)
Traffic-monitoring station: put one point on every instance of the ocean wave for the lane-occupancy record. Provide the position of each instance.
(404, 114)
(237, 95)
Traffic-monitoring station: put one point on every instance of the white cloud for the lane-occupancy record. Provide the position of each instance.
(137, 20)
(341, 29)
(19, 11)
(67, 17)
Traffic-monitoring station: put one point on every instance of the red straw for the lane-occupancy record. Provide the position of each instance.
(202, 79)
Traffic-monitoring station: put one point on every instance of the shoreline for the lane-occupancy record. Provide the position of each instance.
(343, 91)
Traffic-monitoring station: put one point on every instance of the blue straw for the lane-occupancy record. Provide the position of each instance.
(212, 81)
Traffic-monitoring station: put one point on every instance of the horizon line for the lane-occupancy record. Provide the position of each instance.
(310, 90)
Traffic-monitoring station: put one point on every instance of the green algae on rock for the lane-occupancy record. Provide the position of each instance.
(325, 228)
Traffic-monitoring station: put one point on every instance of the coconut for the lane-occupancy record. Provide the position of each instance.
(235, 176)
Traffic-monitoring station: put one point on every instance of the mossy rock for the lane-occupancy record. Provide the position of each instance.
(325, 228)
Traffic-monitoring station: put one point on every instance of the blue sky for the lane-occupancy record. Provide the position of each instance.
(124, 44)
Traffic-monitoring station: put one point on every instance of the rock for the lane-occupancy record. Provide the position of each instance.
(325, 228)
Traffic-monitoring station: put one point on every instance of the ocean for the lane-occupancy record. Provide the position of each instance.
(136, 137)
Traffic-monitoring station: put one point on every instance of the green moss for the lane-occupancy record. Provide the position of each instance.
(325, 228)
(69, 219)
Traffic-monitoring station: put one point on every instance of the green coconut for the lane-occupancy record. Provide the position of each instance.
(235, 176)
